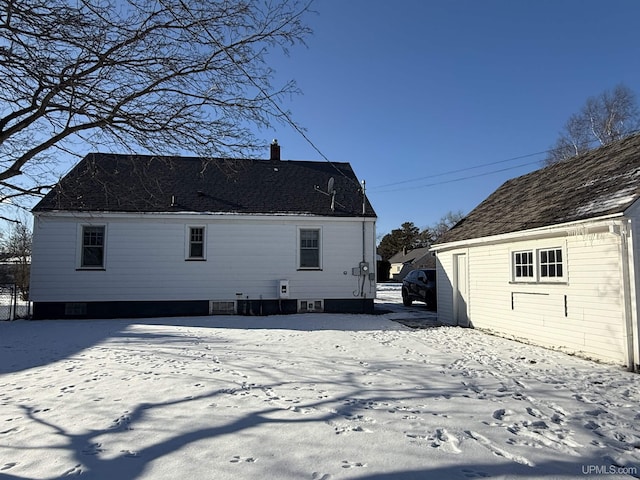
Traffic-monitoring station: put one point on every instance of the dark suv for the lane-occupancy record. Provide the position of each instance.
(420, 285)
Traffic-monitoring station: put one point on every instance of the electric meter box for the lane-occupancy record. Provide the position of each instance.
(283, 289)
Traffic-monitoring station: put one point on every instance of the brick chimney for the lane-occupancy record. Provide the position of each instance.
(275, 151)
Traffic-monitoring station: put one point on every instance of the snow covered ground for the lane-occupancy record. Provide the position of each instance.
(313, 396)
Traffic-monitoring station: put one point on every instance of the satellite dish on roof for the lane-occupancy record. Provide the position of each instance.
(330, 185)
(331, 192)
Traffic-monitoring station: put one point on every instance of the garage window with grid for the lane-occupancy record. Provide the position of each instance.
(541, 265)
(551, 263)
(523, 265)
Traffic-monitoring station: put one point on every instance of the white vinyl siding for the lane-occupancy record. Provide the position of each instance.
(146, 259)
(575, 305)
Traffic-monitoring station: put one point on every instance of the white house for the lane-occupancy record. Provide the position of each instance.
(553, 257)
(405, 261)
(134, 236)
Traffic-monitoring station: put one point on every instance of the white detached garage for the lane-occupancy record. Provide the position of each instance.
(553, 258)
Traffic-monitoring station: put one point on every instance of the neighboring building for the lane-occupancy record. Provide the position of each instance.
(136, 236)
(553, 257)
(403, 262)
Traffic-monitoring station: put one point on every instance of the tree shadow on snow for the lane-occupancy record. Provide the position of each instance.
(29, 344)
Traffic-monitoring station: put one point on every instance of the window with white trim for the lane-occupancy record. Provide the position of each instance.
(309, 254)
(92, 250)
(523, 265)
(551, 263)
(196, 243)
(538, 265)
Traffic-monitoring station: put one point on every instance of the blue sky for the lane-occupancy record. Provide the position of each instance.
(411, 90)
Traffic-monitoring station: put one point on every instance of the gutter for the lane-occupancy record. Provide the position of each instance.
(540, 232)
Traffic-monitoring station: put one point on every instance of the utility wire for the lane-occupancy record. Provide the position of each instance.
(453, 180)
(379, 188)
(282, 112)
(285, 115)
(475, 167)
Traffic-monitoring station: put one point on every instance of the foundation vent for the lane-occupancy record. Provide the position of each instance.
(222, 308)
(309, 306)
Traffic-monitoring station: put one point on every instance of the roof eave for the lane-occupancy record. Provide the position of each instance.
(534, 233)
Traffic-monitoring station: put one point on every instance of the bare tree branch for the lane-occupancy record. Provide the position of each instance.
(145, 76)
(603, 119)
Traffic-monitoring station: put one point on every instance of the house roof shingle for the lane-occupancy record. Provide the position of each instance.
(138, 183)
(601, 182)
(410, 256)
(418, 257)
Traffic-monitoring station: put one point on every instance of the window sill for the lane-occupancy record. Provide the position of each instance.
(536, 282)
(309, 269)
(195, 259)
(91, 269)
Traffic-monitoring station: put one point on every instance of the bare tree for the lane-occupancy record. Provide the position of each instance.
(16, 248)
(146, 76)
(603, 119)
(446, 223)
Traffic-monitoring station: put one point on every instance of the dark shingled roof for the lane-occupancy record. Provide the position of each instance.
(601, 182)
(139, 183)
(418, 256)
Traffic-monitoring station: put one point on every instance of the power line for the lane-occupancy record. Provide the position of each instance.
(269, 98)
(586, 144)
(475, 167)
(452, 180)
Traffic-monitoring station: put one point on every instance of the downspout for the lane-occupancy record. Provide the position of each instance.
(364, 236)
(631, 339)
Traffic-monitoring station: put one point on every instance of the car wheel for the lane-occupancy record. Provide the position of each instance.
(406, 301)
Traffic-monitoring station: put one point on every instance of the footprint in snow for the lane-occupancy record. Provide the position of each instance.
(467, 472)
(320, 476)
(496, 450)
(501, 413)
(445, 440)
(93, 449)
(534, 412)
(239, 459)
(75, 471)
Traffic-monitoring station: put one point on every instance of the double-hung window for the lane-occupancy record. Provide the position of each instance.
(92, 251)
(196, 243)
(309, 254)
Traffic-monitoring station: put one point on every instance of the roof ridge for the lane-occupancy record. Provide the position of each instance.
(603, 181)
